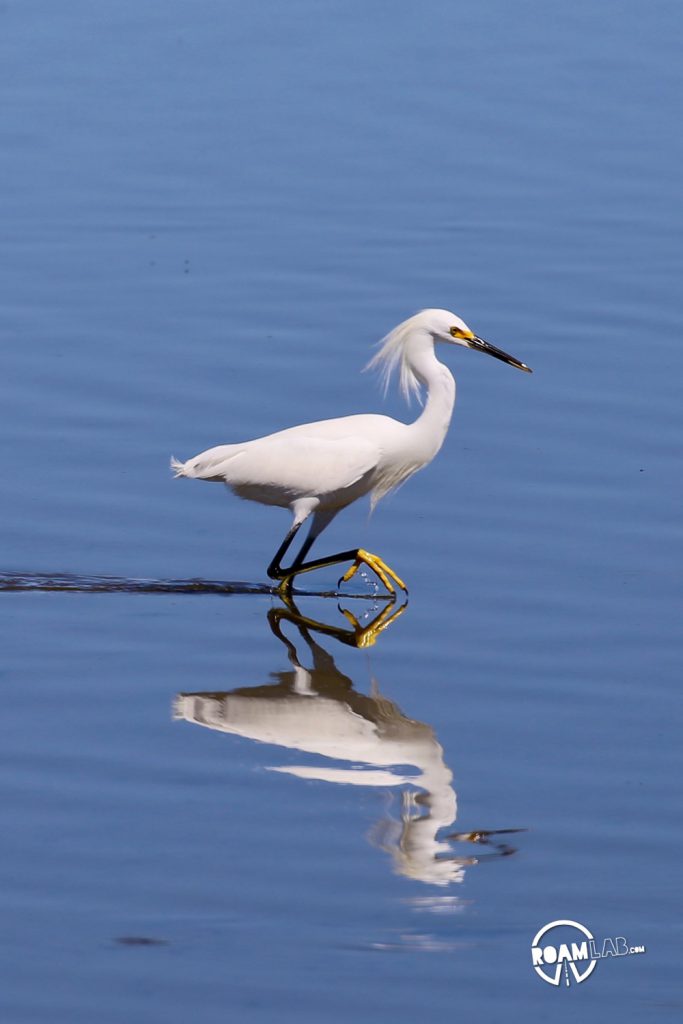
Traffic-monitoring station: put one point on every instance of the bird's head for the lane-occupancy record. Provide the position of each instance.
(446, 326)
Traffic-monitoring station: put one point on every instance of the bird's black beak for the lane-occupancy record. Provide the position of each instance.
(483, 346)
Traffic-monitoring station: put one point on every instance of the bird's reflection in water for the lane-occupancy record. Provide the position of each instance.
(317, 710)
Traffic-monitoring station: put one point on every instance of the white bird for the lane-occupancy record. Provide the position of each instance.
(317, 469)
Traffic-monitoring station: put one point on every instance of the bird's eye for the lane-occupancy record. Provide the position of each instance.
(456, 332)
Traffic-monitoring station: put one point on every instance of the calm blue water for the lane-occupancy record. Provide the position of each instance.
(210, 213)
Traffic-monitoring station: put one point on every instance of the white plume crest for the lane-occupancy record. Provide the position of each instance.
(398, 349)
(391, 356)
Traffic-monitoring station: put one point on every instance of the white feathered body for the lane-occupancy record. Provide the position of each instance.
(332, 460)
(327, 465)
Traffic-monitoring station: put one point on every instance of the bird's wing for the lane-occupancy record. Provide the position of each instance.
(297, 465)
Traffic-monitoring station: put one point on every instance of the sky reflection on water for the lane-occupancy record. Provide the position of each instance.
(210, 214)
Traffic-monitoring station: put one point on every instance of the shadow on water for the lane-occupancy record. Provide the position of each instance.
(318, 710)
(69, 582)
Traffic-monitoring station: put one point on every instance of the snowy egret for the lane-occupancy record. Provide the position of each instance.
(317, 469)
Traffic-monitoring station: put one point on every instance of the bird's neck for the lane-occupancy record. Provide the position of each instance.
(432, 425)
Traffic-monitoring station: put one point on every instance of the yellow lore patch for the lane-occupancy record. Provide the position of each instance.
(463, 335)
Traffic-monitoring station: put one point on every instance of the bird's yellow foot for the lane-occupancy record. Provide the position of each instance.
(366, 636)
(379, 567)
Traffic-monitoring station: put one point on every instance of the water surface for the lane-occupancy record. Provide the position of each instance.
(210, 213)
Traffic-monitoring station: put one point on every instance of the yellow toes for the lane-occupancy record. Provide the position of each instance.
(366, 636)
(380, 568)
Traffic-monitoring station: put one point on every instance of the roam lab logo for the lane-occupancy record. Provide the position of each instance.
(564, 946)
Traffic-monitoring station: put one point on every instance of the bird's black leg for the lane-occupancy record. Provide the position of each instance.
(275, 570)
(321, 563)
(357, 556)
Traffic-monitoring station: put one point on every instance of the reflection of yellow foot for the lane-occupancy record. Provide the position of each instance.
(366, 636)
(379, 567)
